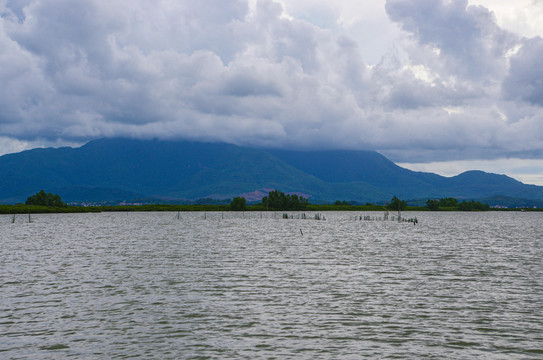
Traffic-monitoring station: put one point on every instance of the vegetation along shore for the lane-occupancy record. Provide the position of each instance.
(275, 201)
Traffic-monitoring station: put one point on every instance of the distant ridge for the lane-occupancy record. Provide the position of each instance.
(127, 169)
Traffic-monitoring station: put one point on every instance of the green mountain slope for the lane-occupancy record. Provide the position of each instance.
(123, 169)
(343, 166)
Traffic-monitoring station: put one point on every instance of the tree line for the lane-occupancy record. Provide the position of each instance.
(274, 201)
(454, 204)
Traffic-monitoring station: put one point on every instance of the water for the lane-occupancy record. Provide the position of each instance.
(150, 285)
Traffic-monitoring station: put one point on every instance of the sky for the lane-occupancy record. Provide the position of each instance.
(441, 86)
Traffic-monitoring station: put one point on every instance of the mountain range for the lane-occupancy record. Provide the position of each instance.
(128, 170)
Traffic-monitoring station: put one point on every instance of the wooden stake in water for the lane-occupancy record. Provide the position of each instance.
(13, 220)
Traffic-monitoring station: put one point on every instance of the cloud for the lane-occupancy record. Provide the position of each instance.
(265, 73)
(523, 17)
(525, 79)
(465, 41)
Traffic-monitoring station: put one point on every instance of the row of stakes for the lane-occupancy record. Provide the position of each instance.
(285, 216)
(318, 216)
(386, 218)
(305, 217)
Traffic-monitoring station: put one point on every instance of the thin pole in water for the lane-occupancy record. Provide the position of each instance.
(301, 232)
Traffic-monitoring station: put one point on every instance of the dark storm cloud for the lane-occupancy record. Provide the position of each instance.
(525, 79)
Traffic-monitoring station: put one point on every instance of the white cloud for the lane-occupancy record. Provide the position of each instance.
(522, 17)
(364, 21)
(10, 145)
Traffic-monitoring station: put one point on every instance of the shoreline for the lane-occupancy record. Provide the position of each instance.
(34, 209)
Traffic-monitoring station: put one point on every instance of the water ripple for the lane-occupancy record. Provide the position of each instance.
(150, 285)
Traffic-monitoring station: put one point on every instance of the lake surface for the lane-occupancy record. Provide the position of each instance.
(233, 285)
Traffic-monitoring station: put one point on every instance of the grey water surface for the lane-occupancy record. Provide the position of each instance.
(254, 285)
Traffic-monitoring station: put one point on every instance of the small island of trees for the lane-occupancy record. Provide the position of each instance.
(238, 204)
(45, 199)
(274, 201)
(397, 204)
(277, 200)
(454, 205)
